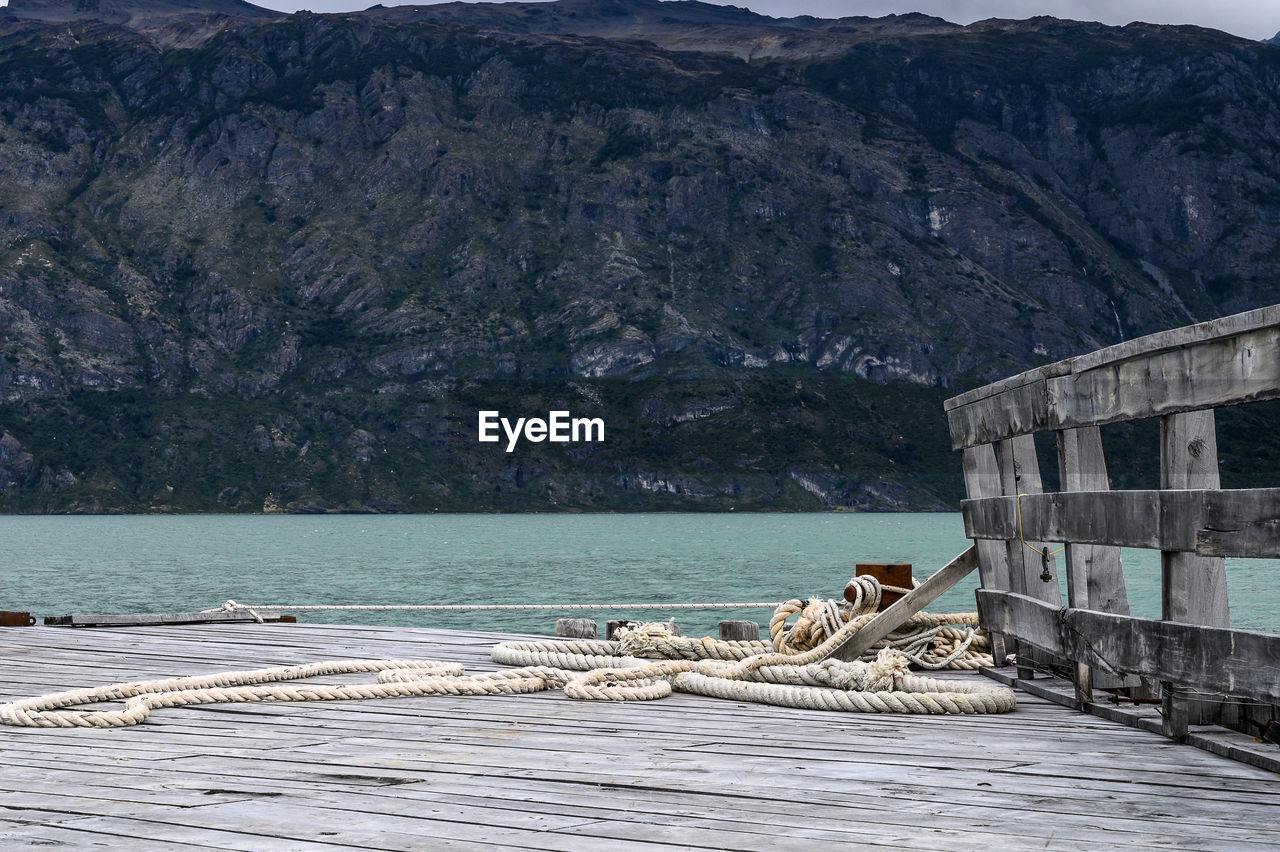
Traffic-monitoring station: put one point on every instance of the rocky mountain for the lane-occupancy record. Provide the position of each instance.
(259, 262)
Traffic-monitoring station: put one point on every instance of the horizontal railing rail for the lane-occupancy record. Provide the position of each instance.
(1243, 523)
(1224, 362)
(1237, 662)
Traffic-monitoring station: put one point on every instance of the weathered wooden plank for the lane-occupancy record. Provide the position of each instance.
(1083, 467)
(1018, 411)
(1259, 318)
(982, 479)
(1030, 377)
(739, 631)
(1027, 619)
(1244, 522)
(917, 599)
(156, 618)
(1187, 335)
(1020, 474)
(1094, 577)
(1190, 656)
(1224, 372)
(1132, 383)
(1193, 588)
(859, 814)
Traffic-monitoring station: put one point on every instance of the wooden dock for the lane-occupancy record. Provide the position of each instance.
(544, 772)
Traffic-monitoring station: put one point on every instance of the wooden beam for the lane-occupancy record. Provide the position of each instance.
(919, 598)
(1177, 338)
(1095, 568)
(1227, 362)
(1020, 474)
(155, 618)
(1191, 657)
(1030, 377)
(1160, 341)
(1193, 589)
(1244, 522)
(1094, 576)
(982, 479)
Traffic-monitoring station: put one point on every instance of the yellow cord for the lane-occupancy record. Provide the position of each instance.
(1043, 554)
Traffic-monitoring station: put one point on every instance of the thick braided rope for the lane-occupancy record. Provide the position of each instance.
(992, 699)
(878, 687)
(789, 676)
(425, 677)
(793, 680)
(921, 638)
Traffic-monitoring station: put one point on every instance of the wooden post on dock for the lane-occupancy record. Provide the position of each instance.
(576, 628)
(1094, 576)
(740, 631)
(1020, 474)
(982, 479)
(1193, 588)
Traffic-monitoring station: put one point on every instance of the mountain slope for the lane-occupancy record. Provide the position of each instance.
(284, 262)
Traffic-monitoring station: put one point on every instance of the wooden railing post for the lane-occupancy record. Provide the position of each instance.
(1020, 474)
(1193, 588)
(982, 479)
(1094, 576)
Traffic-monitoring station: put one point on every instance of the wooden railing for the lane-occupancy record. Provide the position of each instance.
(1204, 668)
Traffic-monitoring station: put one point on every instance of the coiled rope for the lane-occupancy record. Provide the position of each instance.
(619, 670)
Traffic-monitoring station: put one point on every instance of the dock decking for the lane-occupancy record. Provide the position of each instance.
(545, 772)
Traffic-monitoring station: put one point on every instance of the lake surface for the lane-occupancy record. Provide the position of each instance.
(55, 565)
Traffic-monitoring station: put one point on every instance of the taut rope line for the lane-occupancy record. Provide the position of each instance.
(621, 670)
(232, 606)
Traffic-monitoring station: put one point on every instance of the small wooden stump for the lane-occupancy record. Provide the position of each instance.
(739, 631)
(576, 628)
(612, 627)
(16, 619)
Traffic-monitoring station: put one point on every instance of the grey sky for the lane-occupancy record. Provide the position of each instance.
(1248, 18)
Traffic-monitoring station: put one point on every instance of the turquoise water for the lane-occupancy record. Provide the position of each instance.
(101, 564)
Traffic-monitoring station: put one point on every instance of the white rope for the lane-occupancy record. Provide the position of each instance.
(948, 640)
(781, 672)
(586, 669)
(807, 680)
(232, 606)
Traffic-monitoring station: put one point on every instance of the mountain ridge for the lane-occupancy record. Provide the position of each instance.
(282, 263)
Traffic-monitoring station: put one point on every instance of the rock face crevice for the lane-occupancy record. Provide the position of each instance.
(215, 219)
